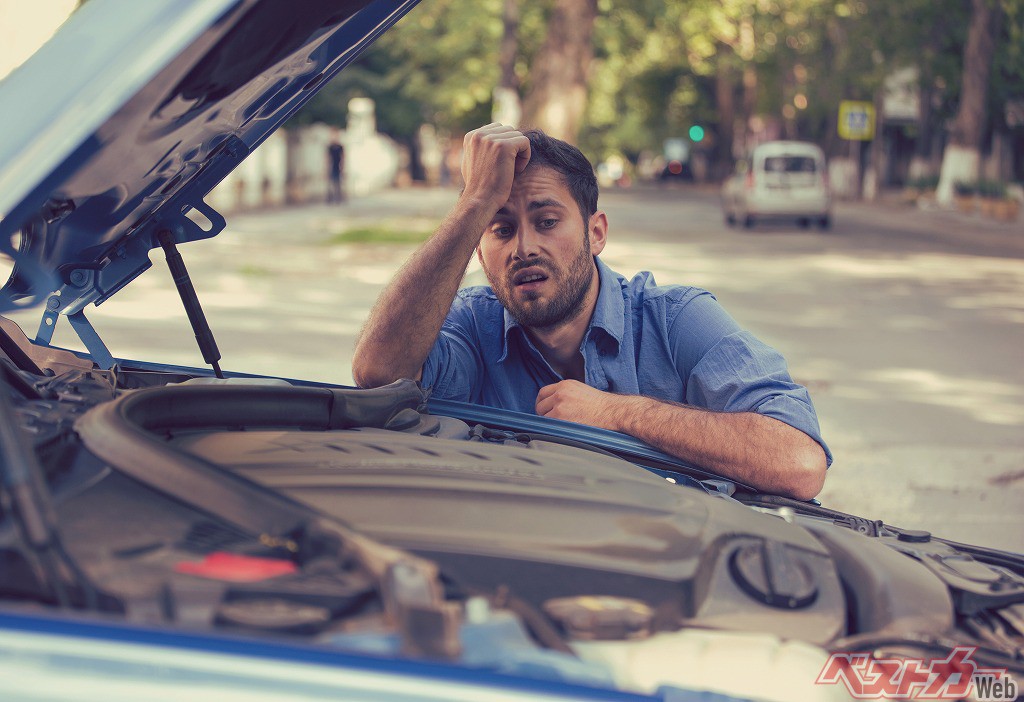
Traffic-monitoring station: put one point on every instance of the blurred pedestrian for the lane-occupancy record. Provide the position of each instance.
(336, 164)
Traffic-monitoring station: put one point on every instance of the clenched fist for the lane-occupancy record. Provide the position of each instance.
(492, 156)
(577, 402)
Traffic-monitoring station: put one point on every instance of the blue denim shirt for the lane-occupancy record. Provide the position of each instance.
(668, 342)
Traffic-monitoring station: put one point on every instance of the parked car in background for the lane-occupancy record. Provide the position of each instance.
(782, 180)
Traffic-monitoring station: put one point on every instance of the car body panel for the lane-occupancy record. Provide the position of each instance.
(78, 660)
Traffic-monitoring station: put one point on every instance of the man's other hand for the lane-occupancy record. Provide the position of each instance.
(491, 158)
(577, 402)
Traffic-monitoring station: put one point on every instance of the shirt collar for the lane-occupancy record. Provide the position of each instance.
(608, 311)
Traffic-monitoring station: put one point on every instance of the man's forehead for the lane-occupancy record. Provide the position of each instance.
(539, 186)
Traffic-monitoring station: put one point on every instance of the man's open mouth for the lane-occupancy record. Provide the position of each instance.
(529, 276)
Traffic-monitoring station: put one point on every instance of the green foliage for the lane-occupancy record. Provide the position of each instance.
(923, 183)
(439, 65)
(658, 64)
(251, 271)
(965, 189)
(988, 189)
(1007, 81)
(991, 189)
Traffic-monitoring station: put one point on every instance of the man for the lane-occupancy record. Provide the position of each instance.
(336, 169)
(559, 333)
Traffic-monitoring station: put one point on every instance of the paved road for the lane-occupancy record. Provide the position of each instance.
(907, 326)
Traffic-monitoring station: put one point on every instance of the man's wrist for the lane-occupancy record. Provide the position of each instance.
(625, 412)
(468, 219)
(482, 204)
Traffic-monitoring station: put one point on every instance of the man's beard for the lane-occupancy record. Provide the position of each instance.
(572, 286)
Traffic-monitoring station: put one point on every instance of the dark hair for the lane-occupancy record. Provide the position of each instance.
(570, 162)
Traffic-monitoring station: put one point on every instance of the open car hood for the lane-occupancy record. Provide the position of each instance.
(130, 134)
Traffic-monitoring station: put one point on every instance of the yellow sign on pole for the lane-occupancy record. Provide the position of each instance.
(856, 120)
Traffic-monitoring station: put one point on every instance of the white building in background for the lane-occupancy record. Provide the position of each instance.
(258, 182)
(371, 159)
(292, 167)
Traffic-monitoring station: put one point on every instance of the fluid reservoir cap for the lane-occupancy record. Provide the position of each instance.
(914, 536)
(774, 574)
(599, 617)
(407, 419)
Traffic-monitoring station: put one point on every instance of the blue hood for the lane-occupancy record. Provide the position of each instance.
(121, 124)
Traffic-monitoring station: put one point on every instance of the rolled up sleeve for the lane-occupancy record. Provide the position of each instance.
(733, 371)
(453, 366)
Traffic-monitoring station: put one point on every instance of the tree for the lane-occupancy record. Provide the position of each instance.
(641, 89)
(556, 98)
(962, 158)
(621, 77)
(508, 108)
(439, 65)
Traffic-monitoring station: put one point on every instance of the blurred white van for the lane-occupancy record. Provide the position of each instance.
(780, 180)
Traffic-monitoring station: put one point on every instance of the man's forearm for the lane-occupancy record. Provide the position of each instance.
(761, 451)
(404, 323)
(408, 315)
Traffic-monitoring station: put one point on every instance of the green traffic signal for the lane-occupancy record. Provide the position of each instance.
(696, 133)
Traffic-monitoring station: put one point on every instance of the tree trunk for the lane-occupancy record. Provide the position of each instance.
(920, 163)
(747, 47)
(725, 103)
(874, 177)
(962, 157)
(558, 88)
(507, 107)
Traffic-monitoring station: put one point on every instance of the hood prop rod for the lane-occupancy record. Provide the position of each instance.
(189, 298)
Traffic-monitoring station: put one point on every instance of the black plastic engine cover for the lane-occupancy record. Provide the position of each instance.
(544, 519)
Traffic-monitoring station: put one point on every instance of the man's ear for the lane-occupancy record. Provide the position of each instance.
(598, 231)
(479, 256)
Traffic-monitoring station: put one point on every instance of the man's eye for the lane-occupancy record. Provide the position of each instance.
(547, 223)
(502, 232)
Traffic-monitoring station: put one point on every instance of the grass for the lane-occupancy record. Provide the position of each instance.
(251, 271)
(380, 235)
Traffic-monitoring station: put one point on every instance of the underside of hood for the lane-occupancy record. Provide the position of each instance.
(117, 129)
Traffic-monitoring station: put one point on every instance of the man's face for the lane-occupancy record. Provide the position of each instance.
(537, 253)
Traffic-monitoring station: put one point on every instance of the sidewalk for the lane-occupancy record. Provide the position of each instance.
(975, 233)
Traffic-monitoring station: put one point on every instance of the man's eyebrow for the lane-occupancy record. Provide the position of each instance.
(541, 204)
(534, 205)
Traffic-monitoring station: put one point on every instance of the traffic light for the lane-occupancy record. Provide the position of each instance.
(696, 133)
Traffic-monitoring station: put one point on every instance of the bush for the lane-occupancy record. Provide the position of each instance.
(992, 189)
(924, 183)
(963, 188)
(989, 189)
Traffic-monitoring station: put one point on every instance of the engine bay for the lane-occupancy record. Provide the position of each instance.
(357, 519)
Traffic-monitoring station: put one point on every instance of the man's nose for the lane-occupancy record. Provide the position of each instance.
(527, 243)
